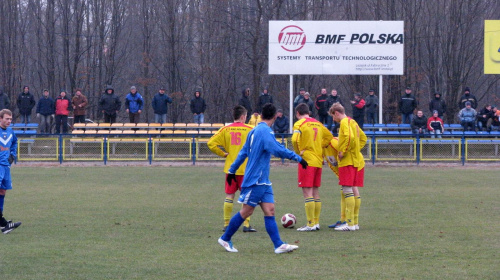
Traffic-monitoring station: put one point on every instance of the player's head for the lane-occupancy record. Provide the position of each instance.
(301, 110)
(5, 118)
(238, 112)
(337, 111)
(268, 112)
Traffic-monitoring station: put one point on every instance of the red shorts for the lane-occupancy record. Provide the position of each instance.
(349, 176)
(309, 177)
(235, 185)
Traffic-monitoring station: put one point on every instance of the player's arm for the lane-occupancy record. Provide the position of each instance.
(13, 149)
(327, 137)
(279, 150)
(362, 138)
(215, 142)
(296, 138)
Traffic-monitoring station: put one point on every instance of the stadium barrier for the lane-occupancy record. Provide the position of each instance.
(167, 145)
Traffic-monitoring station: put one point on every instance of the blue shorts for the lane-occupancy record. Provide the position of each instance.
(5, 179)
(256, 194)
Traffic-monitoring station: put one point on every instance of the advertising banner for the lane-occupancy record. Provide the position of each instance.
(492, 47)
(336, 47)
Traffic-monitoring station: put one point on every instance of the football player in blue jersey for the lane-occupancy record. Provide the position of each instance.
(256, 188)
(8, 148)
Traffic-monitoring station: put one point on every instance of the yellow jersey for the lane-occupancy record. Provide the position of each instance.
(254, 120)
(331, 155)
(231, 138)
(351, 140)
(308, 139)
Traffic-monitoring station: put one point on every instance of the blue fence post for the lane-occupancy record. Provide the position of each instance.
(283, 143)
(373, 149)
(463, 150)
(60, 149)
(150, 150)
(418, 149)
(193, 150)
(105, 151)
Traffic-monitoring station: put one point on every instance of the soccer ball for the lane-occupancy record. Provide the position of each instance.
(288, 220)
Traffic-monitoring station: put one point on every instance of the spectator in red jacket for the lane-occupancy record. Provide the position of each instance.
(435, 125)
(358, 109)
(63, 107)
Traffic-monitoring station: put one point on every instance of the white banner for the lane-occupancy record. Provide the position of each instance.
(336, 47)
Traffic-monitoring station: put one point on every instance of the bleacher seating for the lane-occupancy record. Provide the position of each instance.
(147, 128)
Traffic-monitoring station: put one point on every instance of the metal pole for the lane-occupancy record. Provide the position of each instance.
(380, 99)
(290, 115)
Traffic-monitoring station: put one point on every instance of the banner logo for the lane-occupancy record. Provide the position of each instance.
(292, 38)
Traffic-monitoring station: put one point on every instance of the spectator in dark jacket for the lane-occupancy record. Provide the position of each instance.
(332, 99)
(321, 105)
(45, 111)
(308, 101)
(419, 123)
(482, 118)
(467, 97)
(198, 107)
(438, 104)
(435, 125)
(281, 124)
(109, 104)
(245, 102)
(63, 107)
(134, 105)
(358, 109)
(299, 98)
(25, 103)
(264, 98)
(160, 105)
(407, 105)
(371, 107)
(4, 99)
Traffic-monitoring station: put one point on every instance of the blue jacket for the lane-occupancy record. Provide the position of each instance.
(259, 147)
(160, 103)
(45, 106)
(8, 144)
(281, 125)
(468, 115)
(134, 102)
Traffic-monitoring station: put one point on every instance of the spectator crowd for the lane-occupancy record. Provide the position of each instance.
(364, 109)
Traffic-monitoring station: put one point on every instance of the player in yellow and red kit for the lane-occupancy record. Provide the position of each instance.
(309, 138)
(232, 138)
(351, 165)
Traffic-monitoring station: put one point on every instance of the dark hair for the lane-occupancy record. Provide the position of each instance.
(268, 111)
(302, 109)
(239, 111)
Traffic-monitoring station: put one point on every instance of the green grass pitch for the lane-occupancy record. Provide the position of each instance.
(163, 223)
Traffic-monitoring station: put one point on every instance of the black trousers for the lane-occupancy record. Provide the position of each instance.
(61, 120)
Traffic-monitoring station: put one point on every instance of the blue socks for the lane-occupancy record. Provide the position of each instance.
(234, 225)
(272, 230)
(2, 198)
